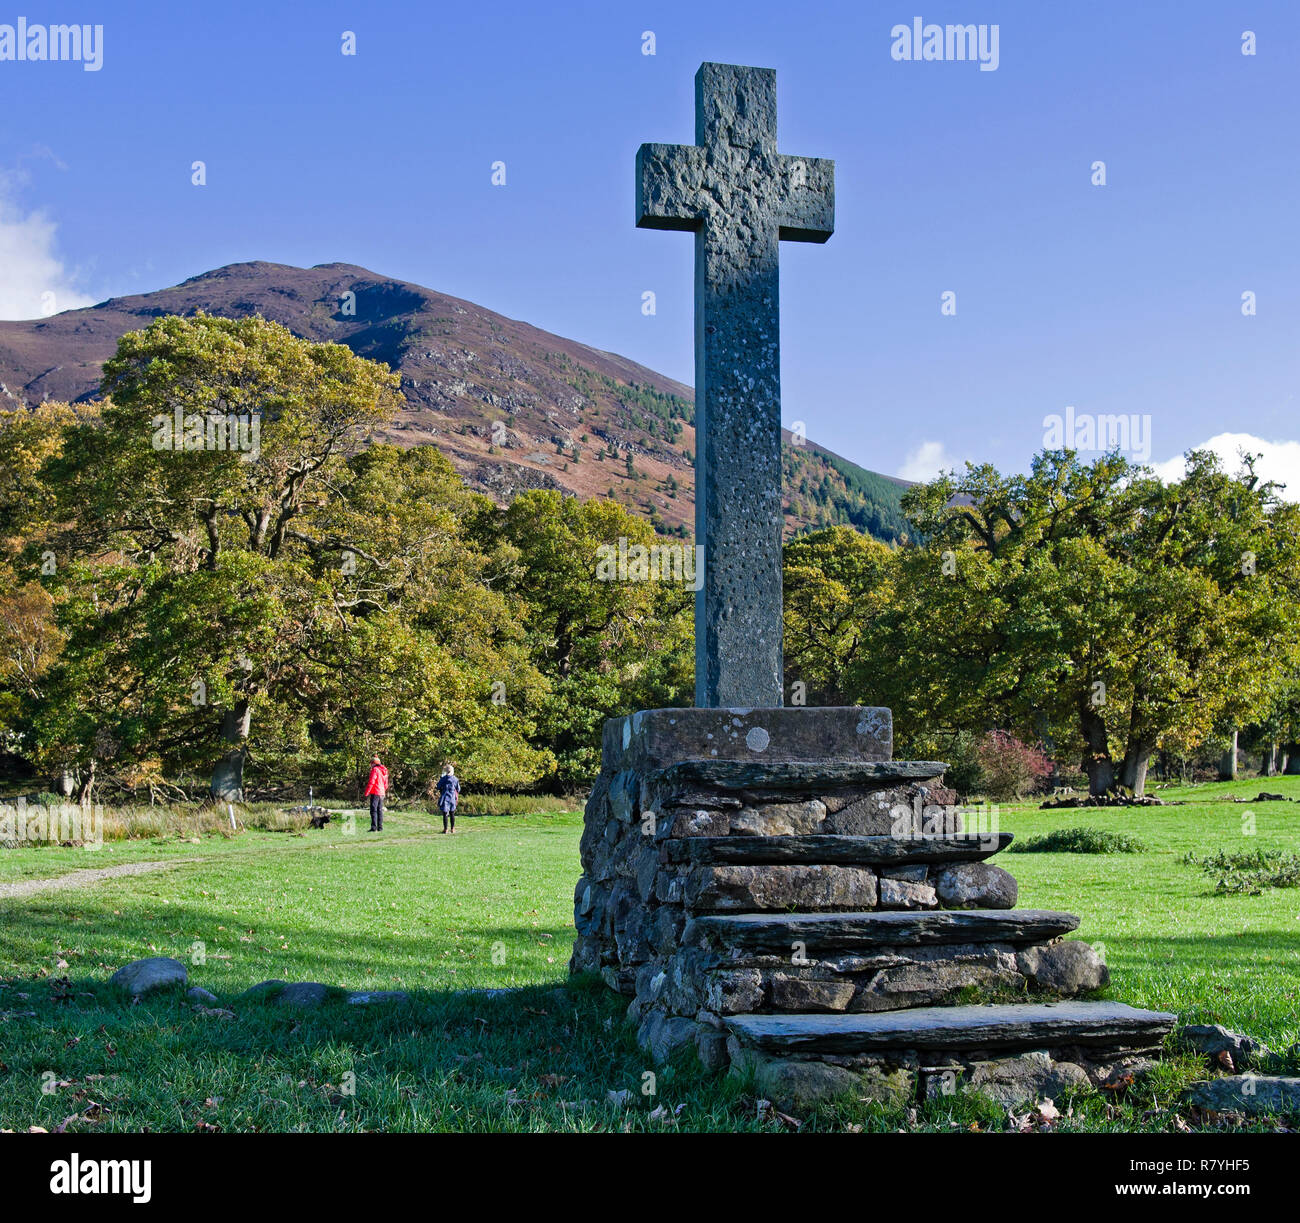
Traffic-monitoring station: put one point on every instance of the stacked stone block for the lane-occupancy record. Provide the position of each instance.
(746, 864)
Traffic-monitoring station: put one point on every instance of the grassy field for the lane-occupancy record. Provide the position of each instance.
(491, 908)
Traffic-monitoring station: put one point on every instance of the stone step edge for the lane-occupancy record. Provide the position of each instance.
(1000, 1026)
(802, 775)
(820, 933)
(833, 849)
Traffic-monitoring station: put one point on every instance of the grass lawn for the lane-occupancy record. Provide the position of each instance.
(491, 908)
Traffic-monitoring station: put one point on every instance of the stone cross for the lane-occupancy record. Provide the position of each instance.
(740, 197)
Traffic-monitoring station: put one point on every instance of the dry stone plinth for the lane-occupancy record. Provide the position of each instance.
(720, 899)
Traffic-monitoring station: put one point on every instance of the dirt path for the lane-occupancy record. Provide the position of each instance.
(81, 879)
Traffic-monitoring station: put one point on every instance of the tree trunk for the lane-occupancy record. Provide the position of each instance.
(1228, 762)
(1133, 769)
(1292, 767)
(1268, 761)
(1096, 756)
(87, 784)
(227, 784)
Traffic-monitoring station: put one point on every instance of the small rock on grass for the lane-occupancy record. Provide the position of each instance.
(368, 997)
(198, 994)
(144, 976)
(302, 993)
(1212, 1040)
(1253, 1094)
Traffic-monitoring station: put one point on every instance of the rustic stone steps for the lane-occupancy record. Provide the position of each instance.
(1054, 1025)
(825, 934)
(831, 849)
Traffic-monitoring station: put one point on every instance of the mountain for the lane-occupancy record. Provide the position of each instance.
(512, 406)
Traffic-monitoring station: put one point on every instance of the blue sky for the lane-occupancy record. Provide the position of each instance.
(1116, 299)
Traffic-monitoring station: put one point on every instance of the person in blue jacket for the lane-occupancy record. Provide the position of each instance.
(448, 796)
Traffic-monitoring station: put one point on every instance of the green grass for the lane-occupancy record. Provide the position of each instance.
(491, 908)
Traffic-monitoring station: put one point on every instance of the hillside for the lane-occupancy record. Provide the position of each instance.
(512, 406)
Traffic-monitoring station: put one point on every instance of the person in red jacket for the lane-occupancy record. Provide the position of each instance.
(377, 788)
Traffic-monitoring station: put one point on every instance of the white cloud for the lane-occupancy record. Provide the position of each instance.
(1279, 460)
(34, 281)
(926, 462)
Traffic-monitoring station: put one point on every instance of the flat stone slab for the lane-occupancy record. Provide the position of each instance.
(1254, 1094)
(1027, 1026)
(830, 849)
(808, 776)
(655, 738)
(820, 933)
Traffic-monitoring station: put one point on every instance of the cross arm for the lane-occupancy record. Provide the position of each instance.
(807, 211)
(669, 186)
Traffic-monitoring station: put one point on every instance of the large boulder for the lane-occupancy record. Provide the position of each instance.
(144, 976)
(976, 885)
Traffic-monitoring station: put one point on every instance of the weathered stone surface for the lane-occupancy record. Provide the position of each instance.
(778, 819)
(890, 853)
(910, 874)
(662, 1035)
(1211, 1039)
(302, 994)
(376, 996)
(689, 776)
(904, 894)
(711, 1046)
(1032, 1076)
(263, 989)
(826, 934)
(202, 996)
(976, 885)
(740, 197)
(144, 976)
(798, 1087)
(1024, 1026)
(936, 975)
(656, 738)
(746, 888)
(701, 823)
(796, 993)
(666, 928)
(1255, 1095)
(623, 789)
(1068, 967)
(735, 992)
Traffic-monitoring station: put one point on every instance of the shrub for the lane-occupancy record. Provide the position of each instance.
(1011, 768)
(1248, 872)
(1079, 841)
